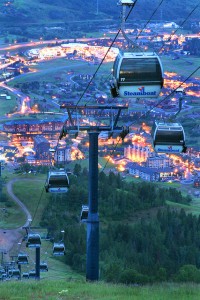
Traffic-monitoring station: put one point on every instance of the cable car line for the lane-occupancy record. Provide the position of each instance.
(139, 33)
(149, 19)
(103, 59)
(173, 32)
(88, 86)
(161, 80)
(133, 42)
(136, 74)
(98, 69)
(38, 204)
(149, 111)
(94, 76)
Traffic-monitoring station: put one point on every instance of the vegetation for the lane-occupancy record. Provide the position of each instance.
(142, 239)
(44, 11)
(10, 214)
(34, 196)
(62, 289)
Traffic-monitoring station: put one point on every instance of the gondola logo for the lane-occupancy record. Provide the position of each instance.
(141, 92)
(168, 149)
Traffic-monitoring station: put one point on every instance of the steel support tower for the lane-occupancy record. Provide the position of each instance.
(71, 126)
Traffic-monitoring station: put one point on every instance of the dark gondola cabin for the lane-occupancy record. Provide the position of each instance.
(22, 259)
(33, 240)
(137, 75)
(4, 276)
(25, 275)
(14, 273)
(84, 213)
(43, 267)
(58, 249)
(32, 274)
(57, 182)
(168, 138)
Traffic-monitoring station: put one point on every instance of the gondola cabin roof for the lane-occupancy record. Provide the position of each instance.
(138, 74)
(33, 240)
(168, 126)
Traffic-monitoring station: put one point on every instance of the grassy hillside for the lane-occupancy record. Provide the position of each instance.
(41, 11)
(61, 289)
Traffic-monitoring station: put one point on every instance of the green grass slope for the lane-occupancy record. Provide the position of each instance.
(61, 290)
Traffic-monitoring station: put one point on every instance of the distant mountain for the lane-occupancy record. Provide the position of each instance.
(45, 11)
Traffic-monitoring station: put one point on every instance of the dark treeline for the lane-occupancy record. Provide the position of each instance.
(142, 10)
(89, 10)
(141, 238)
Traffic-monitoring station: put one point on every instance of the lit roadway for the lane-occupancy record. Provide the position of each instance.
(20, 97)
(54, 41)
(42, 42)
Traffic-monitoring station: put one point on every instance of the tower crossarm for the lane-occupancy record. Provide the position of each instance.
(114, 112)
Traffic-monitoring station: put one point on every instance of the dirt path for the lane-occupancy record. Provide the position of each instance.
(10, 237)
(17, 201)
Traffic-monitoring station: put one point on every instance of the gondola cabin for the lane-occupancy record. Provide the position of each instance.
(58, 249)
(4, 276)
(22, 259)
(32, 274)
(84, 213)
(43, 267)
(14, 273)
(2, 270)
(168, 138)
(33, 240)
(137, 75)
(57, 182)
(25, 275)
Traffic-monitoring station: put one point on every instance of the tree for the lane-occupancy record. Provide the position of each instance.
(77, 169)
(188, 273)
(131, 276)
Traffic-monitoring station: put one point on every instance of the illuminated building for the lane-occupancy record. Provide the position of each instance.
(137, 152)
(158, 161)
(149, 174)
(62, 154)
(144, 173)
(32, 126)
(41, 146)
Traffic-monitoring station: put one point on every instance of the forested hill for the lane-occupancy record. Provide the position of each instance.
(142, 239)
(41, 11)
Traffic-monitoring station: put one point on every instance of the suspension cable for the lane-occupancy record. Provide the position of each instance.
(174, 32)
(149, 111)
